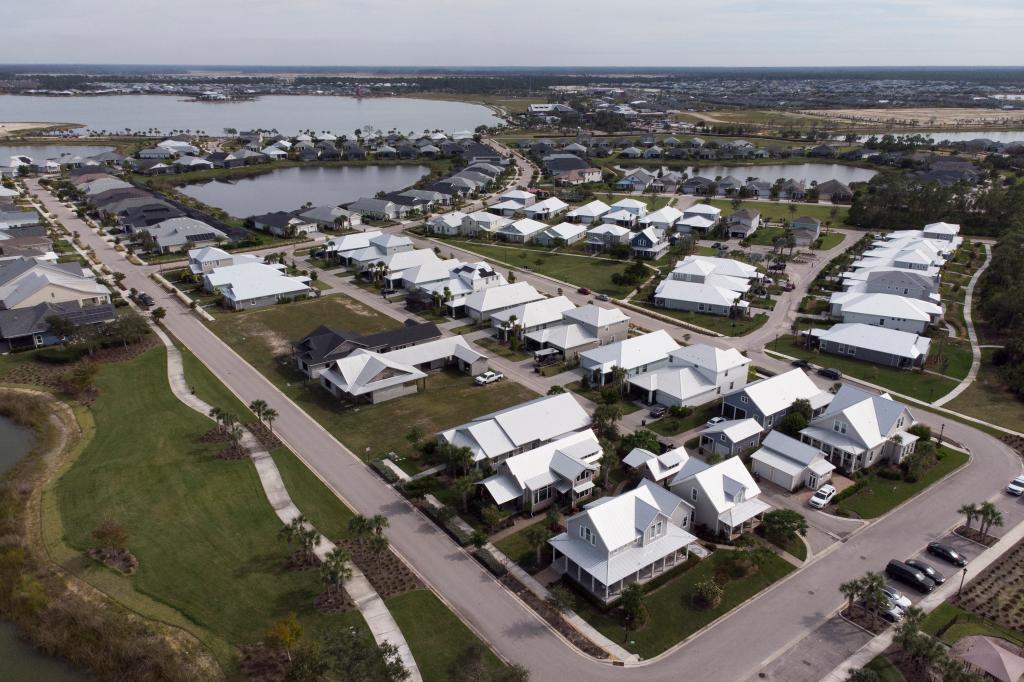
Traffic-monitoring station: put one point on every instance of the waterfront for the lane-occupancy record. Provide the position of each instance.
(807, 172)
(15, 442)
(50, 151)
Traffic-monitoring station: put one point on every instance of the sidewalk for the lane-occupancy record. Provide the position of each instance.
(941, 594)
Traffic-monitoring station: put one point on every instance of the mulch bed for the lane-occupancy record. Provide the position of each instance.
(333, 603)
(553, 617)
(998, 593)
(267, 439)
(122, 561)
(1015, 442)
(48, 374)
(388, 575)
(301, 561)
(262, 664)
(864, 620)
(214, 435)
(233, 452)
(976, 535)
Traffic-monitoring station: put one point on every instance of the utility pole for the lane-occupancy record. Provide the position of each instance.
(942, 429)
(961, 588)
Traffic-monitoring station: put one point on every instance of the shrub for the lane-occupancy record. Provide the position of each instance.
(490, 562)
(707, 594)
(60, 356)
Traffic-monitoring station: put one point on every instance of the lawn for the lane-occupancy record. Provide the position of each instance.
(766, 236)
(201, 527)
(654, 202)
(920, 385)
(951, 623)
(778, 211)
(497, 348)
(831, 240)
(582, 271)
(594, 395)
(988, 398)
(880, 495)
(726, 326)
(672, 616)
(951, 357)
(886, 671)
(435, 635)
(210, 390)
(672, 426)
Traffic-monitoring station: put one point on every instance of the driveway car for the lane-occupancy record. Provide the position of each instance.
(899, 571)
(1016, 486)
(830, 373)
(822, 496)
(927, 569)
(888, 611)
(898, 598)
(146, 300)
(602, 297)
(489, 377)
(657, 411)
(947, 553)
(583, 290)
(713, 421)
(802, 364)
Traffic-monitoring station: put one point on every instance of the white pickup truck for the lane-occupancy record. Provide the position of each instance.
(489, 377)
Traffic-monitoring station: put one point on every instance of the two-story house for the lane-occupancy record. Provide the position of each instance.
(695, 375)
(634, 355)
(769, 400)
(582, 329)
(649, 243)
(724, 497)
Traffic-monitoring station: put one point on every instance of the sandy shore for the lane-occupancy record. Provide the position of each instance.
(925, 116)
(7, 129)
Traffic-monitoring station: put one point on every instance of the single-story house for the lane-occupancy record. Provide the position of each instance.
(562, 233)
(480, 305)
(702, 298)
(730, 438)
(879, 345)
(253, 285)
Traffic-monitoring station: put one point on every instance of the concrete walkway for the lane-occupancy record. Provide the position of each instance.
(366, 599)
(930, 602)
(972, 373)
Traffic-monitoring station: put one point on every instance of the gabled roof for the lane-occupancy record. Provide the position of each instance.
(594, 209)
(565, 231)
(790, 448)
(709, 357)
(628, 204)
(707, 265)
(593, 315)
(524, 227)
(551, 204)
(496, 298)
(725, 484)
(565, 458)
(681, 383)
(735, 430)
(667, 215)
(632, 352)
(350, 242)
(534, 313)
(870, 418)
(885, 305)
(880, 339)
(365, 371)
(695, 292)
(618, 520)
(777, 393)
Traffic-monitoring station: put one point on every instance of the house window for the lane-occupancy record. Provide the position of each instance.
(587, 534)
(693, 494)
(768, 421)
(839, 426)
(542, 494)
(743, 399)
(721, 437)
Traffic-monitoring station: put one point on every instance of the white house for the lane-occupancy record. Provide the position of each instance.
(582, 328)
(702, 298)
(634, 355)
(663, 219)
(446, 223)
(559, 472)
(633, 206)
(254, 284)
(724, 497)
(695, 375)
(514, 430)
(885, 310)
(789, 463)
(482, 222)
(722, 272)
(546, 209)
(562, 233)
(658, 468)
(480, 305)
(616, 541)
(370, 376)
(532, 316)
(860, 429)
(588, 213)
(462, 281)
(344, 246)
(743, 223)
(521, 231)
(207, 259)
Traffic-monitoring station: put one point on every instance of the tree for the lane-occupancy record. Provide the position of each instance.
(378, 546)
(537, 537)
(642, 438)
(851, 589)
(159, 314)
(605, 417)
(874, 596)
(62, 327)
(989, 516)
(634, 610)
(792, 424)
(462, 487)
(969, 512)
(802, 406)
(335, 569)
(782, 525)
(284, 634)
(309, 664)
(269, 415)
(863, 675)
(556, 390)
(111, 536)
(619, 378)
(707, 594)
(257, 407)
(354, 656)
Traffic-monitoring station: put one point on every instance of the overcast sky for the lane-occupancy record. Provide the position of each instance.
(515, 32)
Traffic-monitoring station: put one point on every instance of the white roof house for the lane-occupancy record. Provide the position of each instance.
(735, 430)
(447, 223)
(521, 196)
(664, 218)
(777, 394)
(365, 373)
(674, 293)
(484, 221)
(704, 211)
(589, 212)
(694, 223)
(462, 281)
(546, 208)
(635, 355)
(201, 261)
(849, 338)
(695, 268)
(506, 208)
(25, 282)
(608, 232)
(445, 348)
(789, 463)
(634, 206)
(560, 464)
(567, 232)
(480, 305)
(724, 496)
(176, 233)
(254, 284)
(631, 537)
(349, 243)
(519, 428)
(523, 230)
(657, 467)
(682, 386)
(716, 360)
(595, 316)
(535, 314)
(887, 310)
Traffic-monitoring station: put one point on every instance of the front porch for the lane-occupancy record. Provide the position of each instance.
(565, 566)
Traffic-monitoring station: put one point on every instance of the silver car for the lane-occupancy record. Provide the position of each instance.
(1016, 486)
(897, 597)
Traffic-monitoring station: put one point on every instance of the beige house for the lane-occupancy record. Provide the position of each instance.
(26, 282)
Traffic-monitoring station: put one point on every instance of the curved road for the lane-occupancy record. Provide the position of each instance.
(733, 649)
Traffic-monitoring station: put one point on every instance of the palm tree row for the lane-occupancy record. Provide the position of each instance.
(227, 423)
(301, 533)
(869, 590)
(264, 413)
(987, 514)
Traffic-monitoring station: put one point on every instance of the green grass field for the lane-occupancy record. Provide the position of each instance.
(920, 385)
(777, 211)
(716, 323)
(672, 426)
(201, 527)
(881, 494)
(941, 620)
(988, 398)
(672, 616)
(886, 671)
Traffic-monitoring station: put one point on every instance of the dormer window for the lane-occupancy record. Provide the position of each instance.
(839, 426)
(693, 494)
(587, 534)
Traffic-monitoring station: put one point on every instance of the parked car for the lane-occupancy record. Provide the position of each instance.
(888, 611)
(788, 286)
(713, 421)
(1016, 486)
(489, 377)
(145, 300)
(584, 291)
(897, 570)
(896, 597)
(777, 266)
(947, 553)
(830, 373)
(802, 364)
(822, 496)
(657, 411)
(603, 297)
(927, 569)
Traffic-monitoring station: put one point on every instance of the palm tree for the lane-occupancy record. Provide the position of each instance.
(536, 537)
(990, 516)
(619, 378)
(378, 546)
(336, 569)
(874, 597)
(269, 415)
(970, 512)
(216, 414)
(257, 407)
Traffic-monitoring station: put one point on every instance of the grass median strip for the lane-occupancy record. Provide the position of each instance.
(879, 495)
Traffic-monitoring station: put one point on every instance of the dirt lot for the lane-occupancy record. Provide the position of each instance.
(924, 117)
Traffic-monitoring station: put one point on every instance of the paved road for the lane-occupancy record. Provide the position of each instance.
(733, 649)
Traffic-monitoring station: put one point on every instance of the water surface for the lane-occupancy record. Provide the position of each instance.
(15, 442)
(286, 189)
(20, 662)
(51, 151)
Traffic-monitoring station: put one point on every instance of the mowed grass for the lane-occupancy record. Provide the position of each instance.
(880, 495)
(673, 617)
(884, 668)
(580, 271)
(717, 323)
(778, 211)
(920, 385)
(202, 529)
(966, 624)
(988, 398)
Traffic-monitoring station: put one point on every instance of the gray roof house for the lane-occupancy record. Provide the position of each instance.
(789, 463)
(769, 400)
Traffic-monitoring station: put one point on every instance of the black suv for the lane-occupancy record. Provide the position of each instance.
(897, 570)
(830, 373)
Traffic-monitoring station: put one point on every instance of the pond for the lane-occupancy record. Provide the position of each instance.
(796, 171)
(19, 661)
(15, 442)
(38, 152)
(287, 189)
(286, 113)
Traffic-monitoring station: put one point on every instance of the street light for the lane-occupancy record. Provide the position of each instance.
(961, 588)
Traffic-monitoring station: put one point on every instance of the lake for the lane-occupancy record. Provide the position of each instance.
(287, 189)
(797, 171)
(287, 113)
(50, 151)
(19, 661)
(15, 442)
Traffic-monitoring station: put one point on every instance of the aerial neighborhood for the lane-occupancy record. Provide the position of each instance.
(641, 376)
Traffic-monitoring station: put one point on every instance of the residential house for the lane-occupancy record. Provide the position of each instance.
(663, 219)
(789, 463)
(546, 209)
(724, 497)
(634, 355)
(582, 329)
(446, 223)
(878, 345)
(208, 258)
(637, 180)
(860, 429)
(483, 223)
(370, 377)
(727, 273)
(520, 196)
(699, 185)
(730, 438)
(29, 327)
(616, 541)
(378, 209)
(283, 224)
(659, 469)
(178, 234)
(604, 237)
(331, 217)
(633, 206)
(561, 234)
(743, 223)
(343, 247)
(560, 472)
(589, 213)
(767, 401)
(520, 428)
(649, 243)
(530, 317)
(805, 230)
(463, 281)
(792, 190)
(254, 285)
(699, 218)
(702, 298)
(884, 310)
(759, 189)
(835, 192)
(27, 282)
(521, 231)
(318, 349)
(897, 281)
(480, 305)
(577, 176)
(695, 375)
